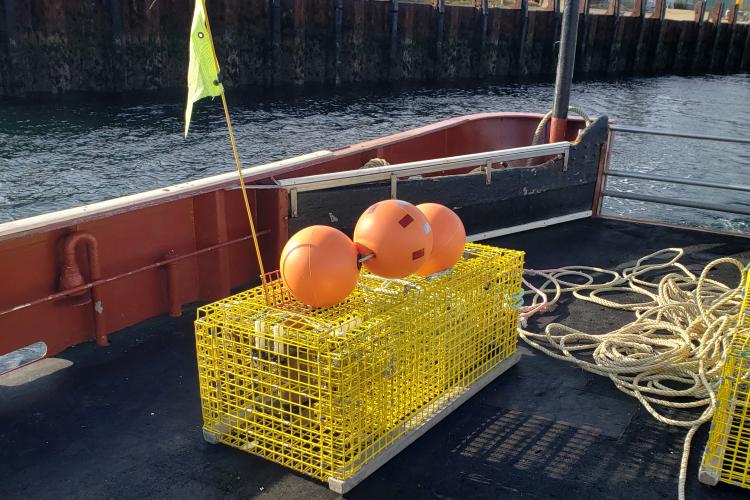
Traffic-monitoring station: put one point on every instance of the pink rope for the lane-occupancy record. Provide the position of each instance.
(539, 307)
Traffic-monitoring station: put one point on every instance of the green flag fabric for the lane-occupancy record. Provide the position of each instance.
(203, 70)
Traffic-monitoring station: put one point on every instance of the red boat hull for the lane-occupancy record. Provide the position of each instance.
(188, 243)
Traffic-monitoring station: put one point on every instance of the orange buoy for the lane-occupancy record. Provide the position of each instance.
(398, 235)
(319, 266)
(448, 236)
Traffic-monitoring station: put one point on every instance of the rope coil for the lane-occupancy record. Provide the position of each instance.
(670, 356)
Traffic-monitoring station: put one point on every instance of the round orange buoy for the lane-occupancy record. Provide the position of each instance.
(448, 236)
(398, 235)
(319, 266)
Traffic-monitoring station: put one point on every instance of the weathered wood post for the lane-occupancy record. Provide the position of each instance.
(614, 9)
(734, 52)
(483, 8)
(718, 57)
(714, 17)
(583, 32)
(8, 31)
(745, 60)
(699, 12)
(275, 40)
(338, 21)
(7, 43)
(660, 11)
(119, 76)
(732, 17)
(564, 78)
(439, 6)
(393, 49)
(641, 54)
(523, 6)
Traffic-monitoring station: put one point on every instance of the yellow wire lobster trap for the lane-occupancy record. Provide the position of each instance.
(727, 454)
(334, 393)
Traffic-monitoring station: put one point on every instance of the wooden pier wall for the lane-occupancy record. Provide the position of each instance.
(115, 45)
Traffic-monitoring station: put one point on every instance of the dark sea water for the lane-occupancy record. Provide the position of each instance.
(59, 152)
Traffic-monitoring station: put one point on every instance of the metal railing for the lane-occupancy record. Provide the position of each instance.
(684, 135)
(393, 173)
(602, 190)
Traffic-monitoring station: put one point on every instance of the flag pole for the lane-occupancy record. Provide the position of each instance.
(242, 185)
(236, 154)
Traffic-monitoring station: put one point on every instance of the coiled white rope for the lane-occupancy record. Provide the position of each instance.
(670, 356)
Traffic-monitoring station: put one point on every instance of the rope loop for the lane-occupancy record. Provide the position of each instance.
(545, 119)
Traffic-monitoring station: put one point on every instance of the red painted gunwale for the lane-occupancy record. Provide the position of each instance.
(189, 242)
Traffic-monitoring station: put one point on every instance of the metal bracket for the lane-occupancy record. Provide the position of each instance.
(293, 202)
(210, 437)
(565, 161)
(394, 184)
(488, 173)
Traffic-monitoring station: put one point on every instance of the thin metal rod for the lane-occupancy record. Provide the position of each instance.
(677, 180)
(566, 59)
(677, 203)
(365, 258)
(242, 185)
(165, 262)
(639, 130)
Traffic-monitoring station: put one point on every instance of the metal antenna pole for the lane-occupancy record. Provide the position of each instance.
(565, 63)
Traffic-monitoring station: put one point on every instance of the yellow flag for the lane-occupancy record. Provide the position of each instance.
(203, 70)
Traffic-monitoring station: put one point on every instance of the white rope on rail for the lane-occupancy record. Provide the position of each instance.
(670, 355)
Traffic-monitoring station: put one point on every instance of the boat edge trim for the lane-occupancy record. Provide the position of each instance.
(529, 226)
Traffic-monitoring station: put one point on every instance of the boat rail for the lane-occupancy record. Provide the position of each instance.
(393, 173)
(606, 172)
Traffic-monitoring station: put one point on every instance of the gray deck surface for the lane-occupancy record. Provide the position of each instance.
(124, 422)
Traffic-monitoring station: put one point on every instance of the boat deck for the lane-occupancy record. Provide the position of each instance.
(125, 422)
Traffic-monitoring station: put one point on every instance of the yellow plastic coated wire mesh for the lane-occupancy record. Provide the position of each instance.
(727, 454)
(323, 391)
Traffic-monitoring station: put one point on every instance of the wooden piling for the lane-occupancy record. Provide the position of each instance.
(521, 70)
(439, 6)
(699, 11)
(720, 42)
(660, 10)
(745, 61)
(275, 14)
(7, 40)
(736, 45)
(704, 45)
(393, 47)
(483, 8)
(117, 41)
(8, 24)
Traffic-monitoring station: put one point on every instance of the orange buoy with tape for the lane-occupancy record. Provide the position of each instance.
(319, 266)
(397, 234)
(448, 236)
